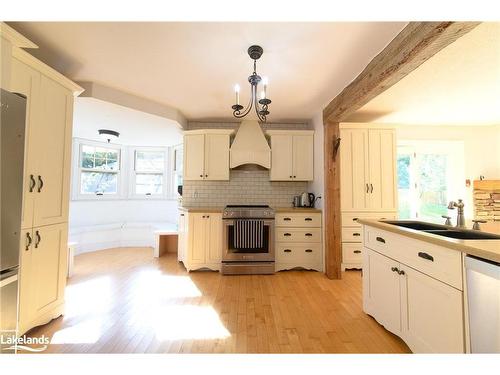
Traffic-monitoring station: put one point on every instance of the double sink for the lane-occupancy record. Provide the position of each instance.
(443, 230)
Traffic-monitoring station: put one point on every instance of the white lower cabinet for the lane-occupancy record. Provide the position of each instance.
(42, 275)
(298, 241)
(434, 321)
(425, 312)
(200, 240)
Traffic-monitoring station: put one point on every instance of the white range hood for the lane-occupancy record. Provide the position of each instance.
(250, 146)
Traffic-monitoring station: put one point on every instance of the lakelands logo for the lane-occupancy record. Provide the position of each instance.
(11, 343)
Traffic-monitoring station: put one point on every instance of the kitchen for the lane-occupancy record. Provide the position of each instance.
(293, 211)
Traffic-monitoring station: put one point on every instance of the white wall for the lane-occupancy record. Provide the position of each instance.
(318, 184)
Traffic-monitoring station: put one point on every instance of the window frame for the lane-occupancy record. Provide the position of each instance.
(77, 171)
(455, 172)
(133, 173)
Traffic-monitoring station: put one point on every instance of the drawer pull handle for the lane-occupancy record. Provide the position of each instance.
(287, 219)
(426, 256)
(354, 219)
(286, 234)
(287, 251)
(380, 239)
(309, 251)
(308, 219)
(356, 234)
(357, 251)
(308, 234)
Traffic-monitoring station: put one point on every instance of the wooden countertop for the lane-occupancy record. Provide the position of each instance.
(202, 209)
(486, 249)
(296, 209)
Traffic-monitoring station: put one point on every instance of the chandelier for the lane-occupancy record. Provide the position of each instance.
(260, 105)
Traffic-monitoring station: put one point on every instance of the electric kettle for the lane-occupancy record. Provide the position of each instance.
(307, 199)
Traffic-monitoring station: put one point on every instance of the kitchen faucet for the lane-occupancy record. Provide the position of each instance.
(460, 212)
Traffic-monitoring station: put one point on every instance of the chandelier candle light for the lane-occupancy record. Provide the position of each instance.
(261, 105)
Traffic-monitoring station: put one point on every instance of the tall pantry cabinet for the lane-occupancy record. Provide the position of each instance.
(49, 117)
(368, 182)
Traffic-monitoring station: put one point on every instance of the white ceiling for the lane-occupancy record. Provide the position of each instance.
(460, 85)
(135, 127)
(194, 66)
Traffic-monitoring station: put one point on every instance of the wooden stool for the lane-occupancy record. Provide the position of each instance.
(165, 241)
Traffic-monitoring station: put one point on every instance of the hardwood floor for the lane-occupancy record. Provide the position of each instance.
(125, 301)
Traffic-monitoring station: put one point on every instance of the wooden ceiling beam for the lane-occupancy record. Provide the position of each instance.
(415, 44)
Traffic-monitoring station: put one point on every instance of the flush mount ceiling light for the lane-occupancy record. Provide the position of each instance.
(255, 52)
(108, 135)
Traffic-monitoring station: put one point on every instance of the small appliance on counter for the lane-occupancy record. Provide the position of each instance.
(305, 200)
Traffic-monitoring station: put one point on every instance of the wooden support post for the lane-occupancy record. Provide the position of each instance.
(333, 244)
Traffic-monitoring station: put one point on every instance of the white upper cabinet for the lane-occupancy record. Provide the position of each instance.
(194, 156)
(206, 154)
(49, 120)
(292, 155)
(368, 168)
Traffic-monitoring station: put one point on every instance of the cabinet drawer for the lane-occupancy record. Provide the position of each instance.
(352, 253)
(301, 253)
(298, 220)
(352, 234)
(298, 235)
(380, 240)
(349, 219)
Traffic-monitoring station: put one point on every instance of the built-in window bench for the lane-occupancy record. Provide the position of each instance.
(119, 234)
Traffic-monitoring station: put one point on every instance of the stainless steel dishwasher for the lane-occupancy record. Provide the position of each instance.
(483, 294)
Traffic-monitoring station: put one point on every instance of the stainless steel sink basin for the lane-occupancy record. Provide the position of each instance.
(417, 225)
(464, 234)
(443, 230)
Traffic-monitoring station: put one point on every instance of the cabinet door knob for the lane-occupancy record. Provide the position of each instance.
(201, 175)
(32, 183)
(208, 216)
(290, 176)
(294, 176)
(206, 175)
(40, 184)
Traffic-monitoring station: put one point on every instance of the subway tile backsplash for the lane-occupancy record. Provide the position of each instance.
(244, 187)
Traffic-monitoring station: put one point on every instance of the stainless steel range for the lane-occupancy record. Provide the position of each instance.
(248, 240)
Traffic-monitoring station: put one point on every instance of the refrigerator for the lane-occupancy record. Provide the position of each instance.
(12, 136)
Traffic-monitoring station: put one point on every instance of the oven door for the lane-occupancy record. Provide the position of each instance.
(263, 253)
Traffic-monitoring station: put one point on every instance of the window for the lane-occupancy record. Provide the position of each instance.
(149, 172)
(429, 176)
(108, 171)
(99, 170)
